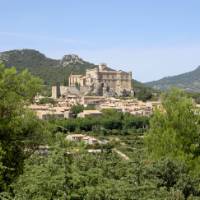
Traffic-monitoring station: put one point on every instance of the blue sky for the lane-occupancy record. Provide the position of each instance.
(152, 38)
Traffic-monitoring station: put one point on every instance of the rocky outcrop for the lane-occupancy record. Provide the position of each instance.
(71, 59)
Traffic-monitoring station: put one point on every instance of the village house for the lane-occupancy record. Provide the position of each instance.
(90, 113)
(92, 100)
(84, 138)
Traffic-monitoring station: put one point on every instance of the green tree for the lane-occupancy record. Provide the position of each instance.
(112, 119)
(77, 109)
(19, 128)
(174, 134)
(174, 130)
(43, 178)
(175, 176)
(47, 100)
(137, 122)
(144, 94)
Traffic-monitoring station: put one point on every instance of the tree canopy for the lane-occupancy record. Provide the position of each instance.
(166, 168)
(19, 127)
(175, 134)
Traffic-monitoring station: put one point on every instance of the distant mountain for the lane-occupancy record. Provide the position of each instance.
(50, 70)
(189, 81)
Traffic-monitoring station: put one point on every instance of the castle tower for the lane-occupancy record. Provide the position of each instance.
(56, 91)
(102, 67)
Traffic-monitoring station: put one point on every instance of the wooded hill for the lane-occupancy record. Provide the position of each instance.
(189, 81)
(48, 69)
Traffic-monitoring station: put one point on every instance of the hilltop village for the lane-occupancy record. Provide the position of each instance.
(72, 128)
(100, 88)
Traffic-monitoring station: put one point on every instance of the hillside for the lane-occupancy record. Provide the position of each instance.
(189, 81)
(50, 70)
(53, 71)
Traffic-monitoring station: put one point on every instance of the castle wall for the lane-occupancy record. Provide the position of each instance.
(115, 81)
(63, 89)
(54, 92)
(92, 76)
(76, 79)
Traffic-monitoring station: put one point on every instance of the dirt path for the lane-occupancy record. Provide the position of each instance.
(124, 156)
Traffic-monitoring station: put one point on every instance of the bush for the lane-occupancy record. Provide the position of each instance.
(47, 100)
(76, 109)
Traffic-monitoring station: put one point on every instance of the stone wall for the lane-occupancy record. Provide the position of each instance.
(99, 81)
(76, 80)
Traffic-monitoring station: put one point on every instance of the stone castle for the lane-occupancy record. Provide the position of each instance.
(100, 81)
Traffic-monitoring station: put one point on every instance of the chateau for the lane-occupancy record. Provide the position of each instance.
(101, 81)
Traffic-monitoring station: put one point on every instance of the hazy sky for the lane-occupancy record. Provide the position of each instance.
(152, 38)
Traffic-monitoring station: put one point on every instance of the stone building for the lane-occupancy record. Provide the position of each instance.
(103, 81)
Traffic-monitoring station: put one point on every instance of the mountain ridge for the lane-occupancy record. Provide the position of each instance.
(49, 69)
(189, 81)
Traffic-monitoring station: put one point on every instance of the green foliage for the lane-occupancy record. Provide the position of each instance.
(169, 170)
(175, 131)
(84, 176)
(18, 87)
(47, 100)
(137, 122)
(145, 93)
(45, 178)
(175, 175)
(110, 120)
(77, 109)
(2, 167)
(46, 91)
(19, 128)
(195, 96)
(174, 134)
